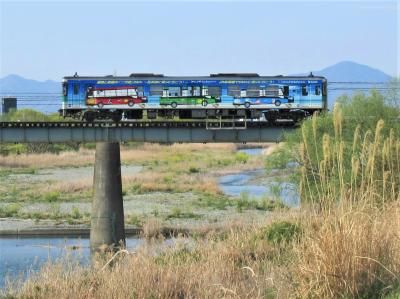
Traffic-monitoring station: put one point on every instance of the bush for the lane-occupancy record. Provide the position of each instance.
(51, 196)
(241, 157)
(10, 210)
(279, 232)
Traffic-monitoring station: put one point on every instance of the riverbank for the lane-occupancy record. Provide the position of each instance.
(151, 185)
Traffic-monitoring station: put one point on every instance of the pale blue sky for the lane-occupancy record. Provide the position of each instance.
(47, 40)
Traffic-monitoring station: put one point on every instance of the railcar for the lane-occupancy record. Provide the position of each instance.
(233, 95)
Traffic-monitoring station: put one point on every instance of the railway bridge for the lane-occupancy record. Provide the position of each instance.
(107, 217)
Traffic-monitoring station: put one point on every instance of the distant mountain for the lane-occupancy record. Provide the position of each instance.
(15, 83)
(40, 95)
(348, 71)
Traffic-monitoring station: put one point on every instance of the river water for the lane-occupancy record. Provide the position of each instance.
(19, 255)
(243, 183)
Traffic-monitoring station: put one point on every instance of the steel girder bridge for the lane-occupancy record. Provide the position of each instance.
(144, 131)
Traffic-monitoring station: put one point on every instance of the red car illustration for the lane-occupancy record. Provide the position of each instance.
(121, 95)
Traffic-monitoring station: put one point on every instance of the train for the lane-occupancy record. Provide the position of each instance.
(221, 95)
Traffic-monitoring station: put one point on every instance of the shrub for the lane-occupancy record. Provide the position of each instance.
(51, 196)
(10, 210)
(241, 157)
(283, 231)
(75, 213)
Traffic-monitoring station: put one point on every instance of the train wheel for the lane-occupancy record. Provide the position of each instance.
(174, 105)
(89, 116)
(204, 103)
(116, 117)
(247, 105)
(277, 103)
(130, 104)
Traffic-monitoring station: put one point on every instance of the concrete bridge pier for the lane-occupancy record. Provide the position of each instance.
(107, 231)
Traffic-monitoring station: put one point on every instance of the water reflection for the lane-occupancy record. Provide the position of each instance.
(18, 255)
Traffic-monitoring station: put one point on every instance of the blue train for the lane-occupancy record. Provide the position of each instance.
(231, 95)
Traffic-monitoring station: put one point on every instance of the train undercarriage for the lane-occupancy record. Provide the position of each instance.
(271, 115)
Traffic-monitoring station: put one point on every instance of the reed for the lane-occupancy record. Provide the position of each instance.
(350, 169)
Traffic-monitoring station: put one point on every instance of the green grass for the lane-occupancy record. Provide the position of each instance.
(218, 202)
(279, 232)
(4, 172)
(134, 219)
(246, 203)
(10, 210)
(177, 213)
(54, 213)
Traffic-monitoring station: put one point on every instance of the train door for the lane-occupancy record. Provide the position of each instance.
(88, 87)
(75, 94)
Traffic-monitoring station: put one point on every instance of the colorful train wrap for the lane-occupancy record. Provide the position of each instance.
(215, 96)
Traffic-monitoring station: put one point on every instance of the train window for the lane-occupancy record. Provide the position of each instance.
(140, 91)
(186, 91)
(234, 90)
(196, 91)
(285, 90)
(76, 88)
(214, 91)
(65, 88)
(304, 90)
(324, 89)
(253, 91)
(156, 90)
(174, 91)
(317, 90)
(272, 91)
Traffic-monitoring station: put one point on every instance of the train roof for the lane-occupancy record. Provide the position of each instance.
(219, 76)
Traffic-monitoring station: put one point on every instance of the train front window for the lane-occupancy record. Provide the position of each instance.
(65, 89)
(317, 90)
(76, 88)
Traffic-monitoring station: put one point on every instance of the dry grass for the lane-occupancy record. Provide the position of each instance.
(350, 252)
(213, 269)
(346, 253)
(49, 160)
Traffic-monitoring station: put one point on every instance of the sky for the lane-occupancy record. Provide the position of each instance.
(49, 40)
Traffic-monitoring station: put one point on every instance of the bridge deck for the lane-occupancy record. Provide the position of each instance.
(146, 131)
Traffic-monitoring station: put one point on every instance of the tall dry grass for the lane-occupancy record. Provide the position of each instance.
(351, 244)
(235, 265)
(350, 252)
(364, 169)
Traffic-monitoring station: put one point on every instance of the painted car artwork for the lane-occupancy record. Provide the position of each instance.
(120, 95)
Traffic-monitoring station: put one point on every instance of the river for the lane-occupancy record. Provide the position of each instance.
(19, 255)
